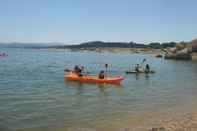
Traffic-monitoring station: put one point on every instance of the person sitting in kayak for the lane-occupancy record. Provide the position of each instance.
(147, 69)
(137, 68)
(82, 69)
(78, 70)
(101, 75)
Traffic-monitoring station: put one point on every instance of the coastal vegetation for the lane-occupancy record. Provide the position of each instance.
(101, 44)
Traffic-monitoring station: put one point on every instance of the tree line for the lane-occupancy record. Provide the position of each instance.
(100, 44)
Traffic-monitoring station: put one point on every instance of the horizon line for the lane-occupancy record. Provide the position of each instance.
(77, 43)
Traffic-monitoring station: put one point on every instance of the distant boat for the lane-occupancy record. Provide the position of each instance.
(3, 55)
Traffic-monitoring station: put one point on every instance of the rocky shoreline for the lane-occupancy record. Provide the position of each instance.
(186, 122)
(182, 51)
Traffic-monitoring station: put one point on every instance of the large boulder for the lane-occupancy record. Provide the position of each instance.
(180, 52)
(183, 54)
(172, 50)
(180, 46)
(179, 55)
(194, 45)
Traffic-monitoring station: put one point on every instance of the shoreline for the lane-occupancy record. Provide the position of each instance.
(111, 50)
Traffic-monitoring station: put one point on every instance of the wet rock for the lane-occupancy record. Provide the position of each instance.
(178, 56)
(170, 56)
(180, 52)
(183, 54)
(180, 46)
(158, 129)
(159, 56)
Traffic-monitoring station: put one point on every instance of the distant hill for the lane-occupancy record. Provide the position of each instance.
(91, 44)
(100, 44)
(28, 45)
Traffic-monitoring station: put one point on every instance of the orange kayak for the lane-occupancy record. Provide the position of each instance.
(93, 79)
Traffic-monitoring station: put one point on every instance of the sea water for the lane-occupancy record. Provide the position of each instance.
(35, 96)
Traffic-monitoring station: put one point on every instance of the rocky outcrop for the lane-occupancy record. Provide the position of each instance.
(194, 45)
(178, 54)
(194, 56)
(182, 51)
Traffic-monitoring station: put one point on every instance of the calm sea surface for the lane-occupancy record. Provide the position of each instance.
(35, 96)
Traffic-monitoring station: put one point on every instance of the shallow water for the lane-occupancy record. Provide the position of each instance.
(35, 96)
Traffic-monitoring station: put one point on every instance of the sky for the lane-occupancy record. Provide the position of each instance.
(76, 21)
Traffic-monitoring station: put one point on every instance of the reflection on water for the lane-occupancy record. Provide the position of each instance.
(138, 76)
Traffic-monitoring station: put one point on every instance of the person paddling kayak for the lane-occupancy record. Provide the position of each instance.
(78, 70)
(137, 68)
(101, 75)
(147, 68)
